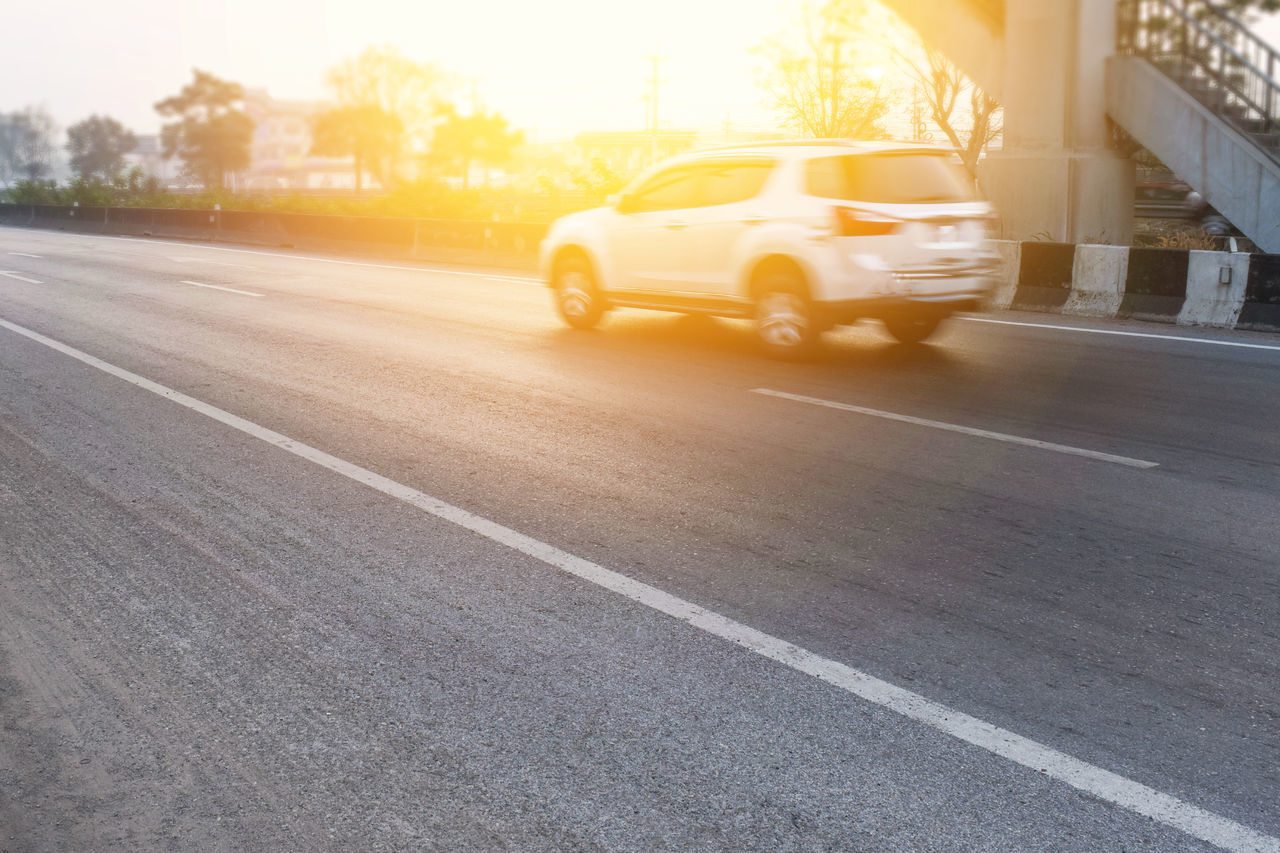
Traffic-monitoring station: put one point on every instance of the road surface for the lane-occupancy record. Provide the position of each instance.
(307, 553)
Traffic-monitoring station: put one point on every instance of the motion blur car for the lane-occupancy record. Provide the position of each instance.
(799, 236)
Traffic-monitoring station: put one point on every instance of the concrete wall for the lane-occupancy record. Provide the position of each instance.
(513, 244)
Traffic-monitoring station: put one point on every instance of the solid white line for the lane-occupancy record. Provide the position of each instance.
(219, 287)
(25, 255)
(1092, 780)
(11, 274)
(980, 433)
(1179, 338)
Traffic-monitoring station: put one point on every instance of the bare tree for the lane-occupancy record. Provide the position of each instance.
(814, 80)
(944, 86)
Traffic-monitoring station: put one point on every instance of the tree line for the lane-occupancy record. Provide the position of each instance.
(386, 110)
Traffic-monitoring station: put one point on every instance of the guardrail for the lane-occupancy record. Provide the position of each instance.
(1211, 55)
(501, 243)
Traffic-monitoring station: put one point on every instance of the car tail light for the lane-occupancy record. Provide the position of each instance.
(860, 223)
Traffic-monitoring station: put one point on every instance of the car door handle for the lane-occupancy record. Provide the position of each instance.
(752, 220)
(677, 225)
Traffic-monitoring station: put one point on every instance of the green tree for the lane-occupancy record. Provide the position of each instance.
(209, 132)
(97, 146)
(386, 90)
(368, 134)
(814, 79)
(27, 145)
(480, 138)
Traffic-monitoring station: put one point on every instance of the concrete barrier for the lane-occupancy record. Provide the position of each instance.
(1097, 281)
(1155, 285)
(1261, 308)
(1216, 283)
(1044, 276)
(1010, 252)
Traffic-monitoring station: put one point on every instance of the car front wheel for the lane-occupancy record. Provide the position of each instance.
(784, 318)
(576, 296)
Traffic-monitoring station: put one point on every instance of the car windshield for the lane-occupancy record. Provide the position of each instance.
(890, 178)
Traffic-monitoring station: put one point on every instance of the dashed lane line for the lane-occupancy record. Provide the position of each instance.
(12, 274)
(26, 255)
(1039, 758)
(219, 287)
(964, 430)
(187, 260)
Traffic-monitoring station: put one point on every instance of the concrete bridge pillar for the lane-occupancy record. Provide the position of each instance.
(1057, 176)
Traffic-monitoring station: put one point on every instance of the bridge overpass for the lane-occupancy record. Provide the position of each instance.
(1079, 79)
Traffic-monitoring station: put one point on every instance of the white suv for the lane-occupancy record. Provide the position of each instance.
(800, 236)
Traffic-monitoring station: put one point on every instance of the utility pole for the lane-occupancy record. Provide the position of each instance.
(655, 82)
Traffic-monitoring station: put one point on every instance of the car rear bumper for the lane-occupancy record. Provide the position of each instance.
(968, 297)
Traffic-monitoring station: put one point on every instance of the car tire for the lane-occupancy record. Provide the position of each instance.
(912, 328)
(784, 316)
(573, 286)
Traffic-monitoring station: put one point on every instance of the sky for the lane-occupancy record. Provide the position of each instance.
(552, 67)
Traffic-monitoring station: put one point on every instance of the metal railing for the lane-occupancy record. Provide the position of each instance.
(1213, 56)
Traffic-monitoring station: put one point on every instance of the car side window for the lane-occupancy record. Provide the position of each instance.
(727, 183)
(670, 190)
(826, 178)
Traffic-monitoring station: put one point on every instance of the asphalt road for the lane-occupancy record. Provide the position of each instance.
(210, 641)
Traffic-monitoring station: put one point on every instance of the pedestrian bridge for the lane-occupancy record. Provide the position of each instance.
(1185, 80)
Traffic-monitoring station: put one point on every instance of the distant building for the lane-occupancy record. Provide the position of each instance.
(281, 157)
(148, 155)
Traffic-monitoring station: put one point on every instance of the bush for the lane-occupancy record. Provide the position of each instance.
(422, 199)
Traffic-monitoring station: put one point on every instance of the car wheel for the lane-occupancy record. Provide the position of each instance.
(912, 328)
(576, 296)
(784, 316)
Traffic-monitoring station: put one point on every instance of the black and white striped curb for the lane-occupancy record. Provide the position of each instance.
(1230, 290)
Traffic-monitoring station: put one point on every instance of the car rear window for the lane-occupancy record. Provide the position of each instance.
(891, 178)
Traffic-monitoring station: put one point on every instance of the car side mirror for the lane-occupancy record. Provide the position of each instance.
(623, 202)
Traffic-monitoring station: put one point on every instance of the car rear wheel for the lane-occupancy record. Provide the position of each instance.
(784, 316)
(576, 296)
(913, 328)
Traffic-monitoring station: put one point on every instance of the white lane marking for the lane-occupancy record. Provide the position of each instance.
(943, 425)
(25, 255)
(1095, 781)
(219, 287)
(12, 274)
(210, 261)
(1180, 338)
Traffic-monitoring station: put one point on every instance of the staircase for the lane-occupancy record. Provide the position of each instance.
(1199, 90)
